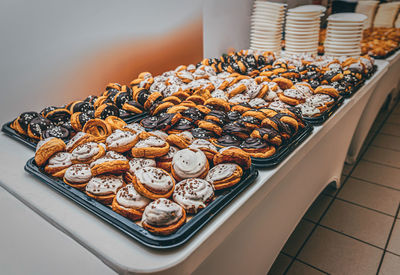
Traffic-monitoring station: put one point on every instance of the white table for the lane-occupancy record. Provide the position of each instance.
(251, 230)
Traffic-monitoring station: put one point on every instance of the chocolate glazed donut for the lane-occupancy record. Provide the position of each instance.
(233, 115)
(37, 126)
(25, 118)
(253, 143)
(56, 131)
(228, 140)
(202, 133)
(150, 122)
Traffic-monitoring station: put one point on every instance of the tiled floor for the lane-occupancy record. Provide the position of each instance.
(356, 229)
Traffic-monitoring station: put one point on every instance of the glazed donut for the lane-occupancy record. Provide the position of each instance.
(78, 139)
(103, 188)
(46, 148)
(58, 164)
(192, 114)
(206, 146)
(98, 128)
(111, 163)
(77, 176)
(236, 129)
(129, 203)
(137, 163)
(88, 152)
(105, 110)
(193, 194)
(182, 126)
(163, 217)
(120, 141)
(149, 146)
(115, 122)
(257, 148)
(152, 182)
(219, 117)
(189, 163)
(224, 175)
(233, 155)
(57, 132)
(20, 124)
(37, 125)
(58, 116)
(249, 122)
(167, 120)
(164, 162)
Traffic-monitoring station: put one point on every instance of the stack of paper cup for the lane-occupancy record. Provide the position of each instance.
(266, 26)
(302, 29)
(344, 34)
(367, 8)
(386, 15)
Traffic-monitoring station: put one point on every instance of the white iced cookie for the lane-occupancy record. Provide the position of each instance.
(193, 194)
(189, 163)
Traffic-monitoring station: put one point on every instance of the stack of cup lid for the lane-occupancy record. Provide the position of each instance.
(344, 34)
(302, 29)
(367, 8)
(266, 26)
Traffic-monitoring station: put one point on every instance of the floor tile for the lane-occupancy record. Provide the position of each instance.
(280, 265)
(377, 173)
(387, 141)
(390, 264)
(394, 242)
(370, 195)
(298, 268)
(383, 156)
(317, 208)
(391, 129)
(299, 235)
(339, 254)
(361, 223)
(394, 119)
(347, 169)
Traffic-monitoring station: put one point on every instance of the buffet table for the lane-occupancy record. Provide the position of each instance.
(252, 229)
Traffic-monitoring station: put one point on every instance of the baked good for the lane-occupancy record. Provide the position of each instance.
(147, 145)
(193, 194)
(112, 162)
(78, 139)
(88, 152)
(120, 141)
(257, 147)
(78, 175)
(103, 188)
(163, 217)
(46, 148)
(181, 140)
(152, 182)
(129, 203)
(115, 122)
(233, 155)
(206, 146)
(165, 161)
(58, 164)
(98, 128)
(224, 175)
(189, 163)
(138, 163)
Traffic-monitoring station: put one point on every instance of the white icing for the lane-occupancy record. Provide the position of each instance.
(60, 159)
(151, 141)
(257, 102)
(155, 179)
(110, 156)
(73, 140)
(159, 134)
(78, 173)
(85, 151)
(202, 144)
(137, 163)
(136, 127)
(128, 197)
(42, 142)
(189, 163)
(162, 212)
(104, 184)
(221, 171)
(193, 193)
(119, 138)
(187, 135)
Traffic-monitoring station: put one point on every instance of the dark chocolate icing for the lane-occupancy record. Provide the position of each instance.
(142, 96)
(149, 122)
(192, 114)
(271, 132)
(220, 115)
(59, 116)
(253, 143)
(235, 127)
(82, 106)
(91, 99)
(83, 118)
(233, 115)
(229, 140)
(164, 119)
(25, 118)
(202, 133)
(249, 119)
(47, 110)
(56, 131)
(39, 124)
(183, 125)
(110, 110)
(121, 98)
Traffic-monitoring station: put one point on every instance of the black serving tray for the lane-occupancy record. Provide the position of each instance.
(181, 236)
(318, 120)
(389, 54)
(31, 143)
(285, 150)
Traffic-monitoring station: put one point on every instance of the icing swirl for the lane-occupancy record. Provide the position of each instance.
(202, 144)
(78, 173)
(60, 159)
(151, 141)
(221, 171)
(162, 212)
(192, 194)
(155, 179)
(119, 138)
(104, 184)
(128, 197)
(189, 163)
(86, 151)
(137, 163)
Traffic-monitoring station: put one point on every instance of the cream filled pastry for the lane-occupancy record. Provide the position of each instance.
(103, 188)
(193, 194)
(135, 128)
(78, 175)
(224, 175)
(58, 164)
(137, 163)
(78, 139)
(206, 146)
(189, 163)
(149, 146)
(129, 203)
(164, 162)
(120, 141)
(46, 148)
(153, 182)
(88, 152)
(163, 217)
(112, 162)
(159, 134)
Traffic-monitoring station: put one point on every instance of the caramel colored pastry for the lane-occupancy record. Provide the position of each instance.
(226, 141)
(189, 163)
(149, 146)
(268, 134)
(224, 175)
(115, 122)
(292, 97)
(210, 126)
(283, 83)
(193, 194)
(152, 182)
(206, 146)
(20, 124)
(181, 140)
(105, 110)
(257, 148)
(129, 203)
(233, 155)
(47, 148)
(78, 139)
(112, 162)
(78, 120)
(103, 188)
(88, 152)
(78, 175)
(58, 164)
(164, 162)
(326, 89)
(138, 163)
(218, 104)
(98, 128)
(163, 217)
(120, 141)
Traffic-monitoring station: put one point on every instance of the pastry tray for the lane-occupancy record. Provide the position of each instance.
(193, 225)
(318, 120)
(31, 143)
(389, 54)
(285, 150)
